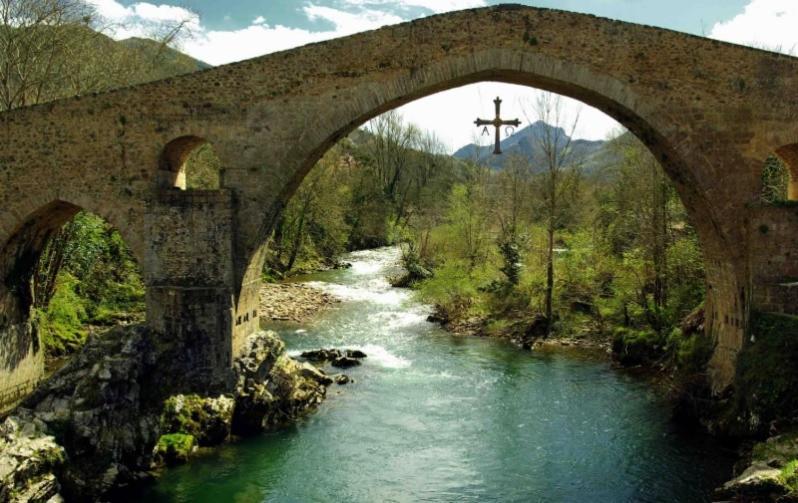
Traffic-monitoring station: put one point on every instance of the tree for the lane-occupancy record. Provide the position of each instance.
(559, 181)
(390, 154)
(52, 49)
(35, 37)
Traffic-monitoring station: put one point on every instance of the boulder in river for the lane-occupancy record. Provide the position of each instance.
(206, 419)
(291, 390)
(341, 379)
(321, 355)
(343, 357)
(345, 362)
(759, 482)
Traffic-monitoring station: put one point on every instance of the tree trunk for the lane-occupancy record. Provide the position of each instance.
(297, 242)
(549, 279)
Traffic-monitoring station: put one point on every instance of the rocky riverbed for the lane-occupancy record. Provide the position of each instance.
(294, 302)
(116, 412)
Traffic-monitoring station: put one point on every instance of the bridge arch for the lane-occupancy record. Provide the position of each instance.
(650, 120)
(21, 350)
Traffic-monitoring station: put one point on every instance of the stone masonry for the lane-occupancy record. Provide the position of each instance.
(711, 112)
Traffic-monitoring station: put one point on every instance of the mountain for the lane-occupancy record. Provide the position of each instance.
(525, 142)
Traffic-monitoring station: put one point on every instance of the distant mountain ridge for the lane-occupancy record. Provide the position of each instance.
(525, 141)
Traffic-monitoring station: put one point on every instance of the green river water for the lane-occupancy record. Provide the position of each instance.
(432, 417)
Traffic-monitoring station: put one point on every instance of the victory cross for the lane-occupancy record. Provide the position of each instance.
(497, 123)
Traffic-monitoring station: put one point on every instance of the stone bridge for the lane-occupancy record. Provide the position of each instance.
(711, 112)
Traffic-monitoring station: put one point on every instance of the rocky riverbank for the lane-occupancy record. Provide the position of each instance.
(115, 413)
(294, 302)
(522, 330)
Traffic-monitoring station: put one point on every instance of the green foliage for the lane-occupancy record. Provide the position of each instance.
(454, 289)
(624, 254)
(97, 284)
(789, 475)
(690, 352)
(174, 448)
(60, 325)
(511, 265)
(368, 191)
(767, 370)
(203, 168)
(636, 347)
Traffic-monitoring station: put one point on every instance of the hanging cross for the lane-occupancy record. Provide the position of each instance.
(497, 123)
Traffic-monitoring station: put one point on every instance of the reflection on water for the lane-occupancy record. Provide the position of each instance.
(437, 418)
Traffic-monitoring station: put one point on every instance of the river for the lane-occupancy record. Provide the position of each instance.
(432, 417)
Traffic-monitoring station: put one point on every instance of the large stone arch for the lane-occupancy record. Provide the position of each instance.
(658, 123)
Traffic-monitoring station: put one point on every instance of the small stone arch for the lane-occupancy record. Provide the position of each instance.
(189, 163)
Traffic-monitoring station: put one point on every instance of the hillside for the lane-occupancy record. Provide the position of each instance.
(169, 61)
(81, 61)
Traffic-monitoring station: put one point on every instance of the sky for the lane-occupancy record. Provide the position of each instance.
(228, 31)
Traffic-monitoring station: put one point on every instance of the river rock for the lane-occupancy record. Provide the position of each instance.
(322, 355)
(28, 459)
(173, 449)
(338, 357)
(207, 419)
(312, 372)
(342, 379)
(759, 482)
(291, 390)
(293, 301)
(345, 362)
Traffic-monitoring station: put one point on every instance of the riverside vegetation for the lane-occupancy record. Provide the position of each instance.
(583, 241)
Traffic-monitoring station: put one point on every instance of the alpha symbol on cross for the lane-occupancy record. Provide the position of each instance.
(497, 123)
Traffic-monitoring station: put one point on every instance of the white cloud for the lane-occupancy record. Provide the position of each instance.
(347, 23)
(142, 18)
(768, 24)
(218, 47)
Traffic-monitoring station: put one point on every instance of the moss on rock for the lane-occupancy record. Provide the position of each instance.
(207, 419)
(174, 448)
(772, 474)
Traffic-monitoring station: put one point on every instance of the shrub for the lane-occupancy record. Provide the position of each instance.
(767, 370)
(637, 346)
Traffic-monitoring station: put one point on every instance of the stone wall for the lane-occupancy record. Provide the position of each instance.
(21, 365)
(774, 258)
